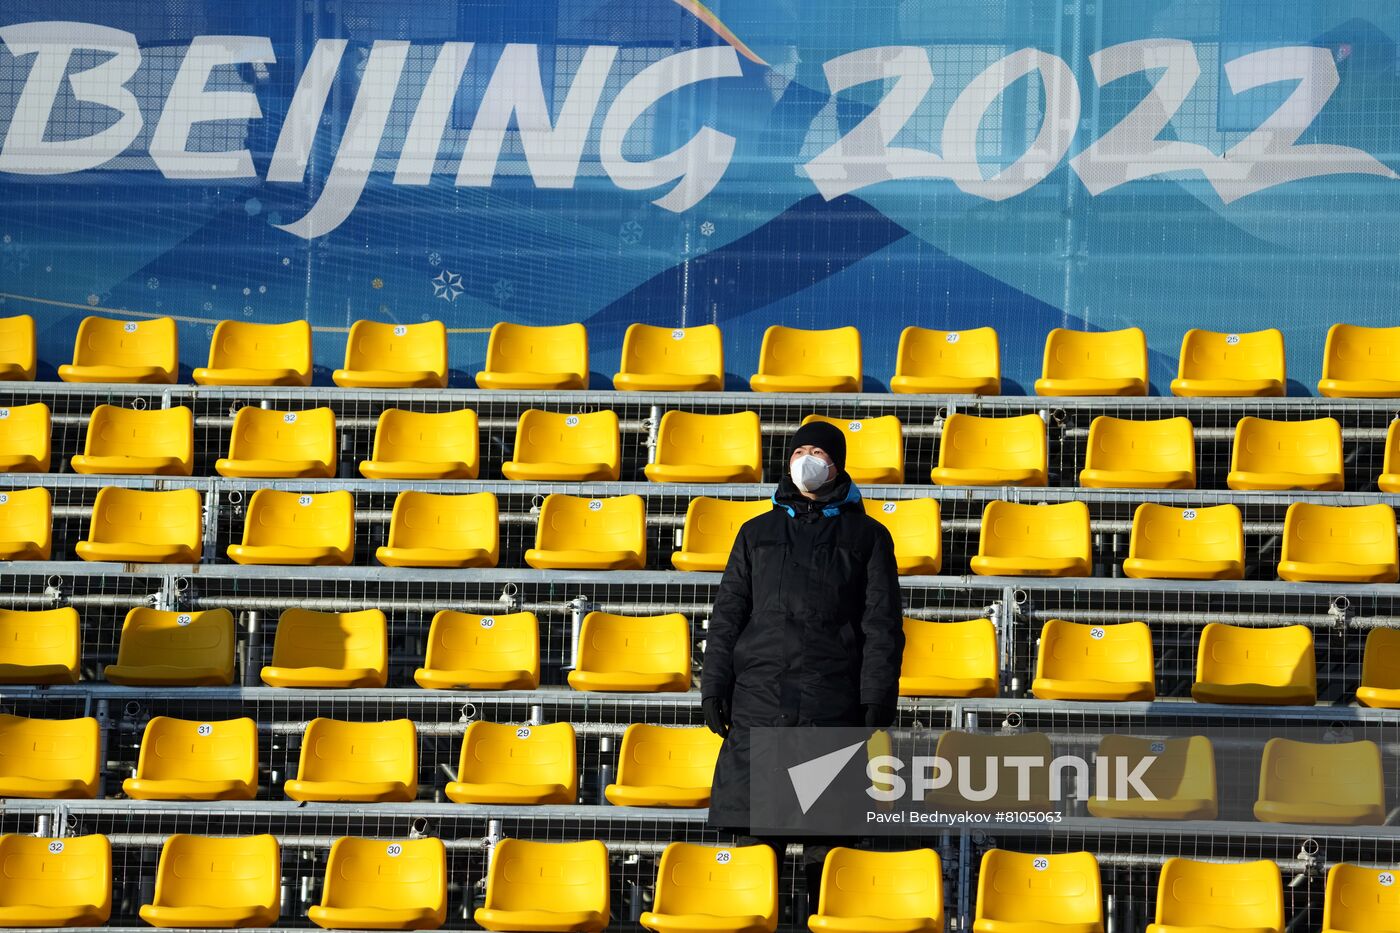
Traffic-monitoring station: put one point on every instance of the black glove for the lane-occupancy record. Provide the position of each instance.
(879, 715)
(716, 715)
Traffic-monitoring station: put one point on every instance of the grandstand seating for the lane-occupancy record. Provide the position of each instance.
(1108, 363)
(1315, 783)
(893, 892)
(1194, 895)
(424, 445)
(547, 886)
(18, 349)
(917, 530)
(1359, 898)
(979, 451)
(40, 647)
(329, 649)
(26, 524)
(297, 528)
(1094, 662)
(364, 762)
(139, 527)
(170, 648)
(1286, 454)
(1181, 779)
(729, 890)
(559, 447)
(1270, 666)
(633, 653)
(394, 356)
(697, 448)
(49, 758)
(711, 525)
(1361, 362)
(124, 351)
(24, 439)
(1130, 454)
(516, 765)
(948, 362)
(1215, 365)
(1338, 543)
(292, 444)
(795, 360)
(659, 766)
(1186, 544)
(158, 441)
(1018, 892)
(431, 530)
(185, 760)
(1380, 670)
(55, 882)
(590, 534)
(383, 884)
(949, 659)
(476, 652)
(1034, 540)
(209, 882)
(664, 359)
(243, 353)
(519, 356)
(874, 448)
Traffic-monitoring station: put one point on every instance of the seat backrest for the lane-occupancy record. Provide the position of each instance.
(184, 749)
(152, 432)
(1380, 666)
(663, 756)
(565, 877)
(686, 438)
(950, 649)
(1236, 895)
(1355, 353)
(1361, 898)
(1119, 653)
(265, 434)
(24, 429)
(49, 749)
(1316, 772)
(338, 640)
(970, 441)
(711, 525)
(17, 344)
(1206, 354)
(397, 347)
(434, 520)
(871, 443)
(1158, 445)
(427, 437)
(47, 636)
(981, 752)
(174, 516)
(639, 644)
(1360, 534)
(967, 354)
(387, 873)
(219, 871)
(247, 345)
(561, 437)
(334, 750)
(499, 753)
(75, 871)
(177, 639)
(680, 351)
(1276, 657)
(1208, 533)
(1015, 530)
(324, 519)
(735, 881)
(916, 525)
(106, 342)
(462, 640)
(521, 348)
(1264, 446)
(1022, 887)
(792, 351)
(1111, 354)
(615, 523)
(1183, 768)
(904, 885)
(27, 515)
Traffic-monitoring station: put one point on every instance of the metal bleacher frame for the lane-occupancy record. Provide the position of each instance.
(1129, 851)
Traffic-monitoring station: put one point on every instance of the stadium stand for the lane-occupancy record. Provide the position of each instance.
(663, 359)
(18, 348)
(24, 439)
(523, 357)
(243, 353)
(947, 362)
(1231, 365)
(268, 444)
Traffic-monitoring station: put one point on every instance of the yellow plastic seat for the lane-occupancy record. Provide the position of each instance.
(1336, 784)
(1170, 543)
(1380, 669)
(917, 530)
(138, 527)
(1019, 892)
(1361, 362)
(703, 888)
(516, 765)
(481, 652)
(1034, 540)
(1124, 454)
(184, 649)
(185, 759)
(947, 362)
(633, 653)
(394, 356)
(980, 753)
(547, 886)
(246, 354)
(1342, 544)
(210, 882)
(1181, 778)
(1360, 900)
(561, 447)
(1094, 662)
(124, 351)
(976, 451)
(577, 533)
(711, 525)
(1216, 897)
(1268, 666)
(671, 359)
(24, 439)
(692, 448)
(40, 647)
(659, 766)
(418, 445)
(1286, 455)
(268, 444)
(366, 762)
(1094, 363)
(18, 352)
(55, 882)
(880, 892)
(1215, 365)
(128, 441)
(949, 659)
(291, 528)
(50, 759)
(519, 356)
(1389, 480)
(383, 884)
(26, 524)
(795, 360)
(874, 448)
(431, 530)
(329, 649)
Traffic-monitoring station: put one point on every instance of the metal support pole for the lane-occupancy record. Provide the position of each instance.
(653, 426)
(252, 651)
(578, 608)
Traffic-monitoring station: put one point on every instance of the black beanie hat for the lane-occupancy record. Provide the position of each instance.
(825, 435)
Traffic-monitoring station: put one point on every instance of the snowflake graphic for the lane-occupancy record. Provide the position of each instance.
(376, 282)
(209, 306)
(504, 291)
(14, 257)
(447, 286)
(707, 229)
(435, 259)
(286, 260)
(93, 299)
(630, 233)
(153, 283)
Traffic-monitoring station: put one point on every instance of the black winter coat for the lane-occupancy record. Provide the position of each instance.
(806, 627)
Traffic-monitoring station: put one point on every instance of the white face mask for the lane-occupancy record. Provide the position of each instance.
(809, 473)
